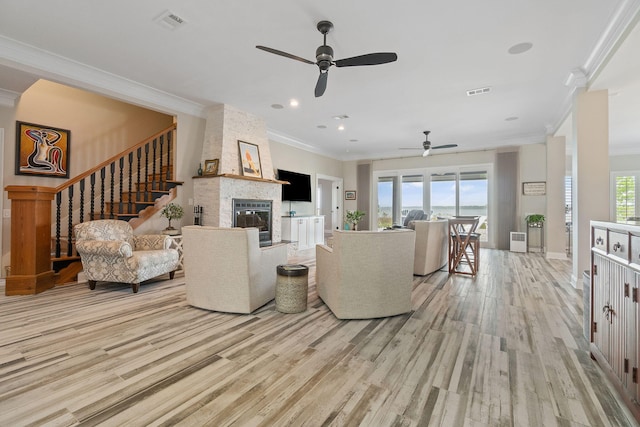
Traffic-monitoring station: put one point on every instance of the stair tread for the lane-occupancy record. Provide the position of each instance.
(65, 258)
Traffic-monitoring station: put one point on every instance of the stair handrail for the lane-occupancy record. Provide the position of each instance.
(114, 158)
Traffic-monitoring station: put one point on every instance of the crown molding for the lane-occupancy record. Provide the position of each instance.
(619, 25)
(8, 98)
(282, 138)
(63, 70)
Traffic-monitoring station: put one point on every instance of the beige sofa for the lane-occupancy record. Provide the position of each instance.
(432, 245)
(226, 270)
(366, 274)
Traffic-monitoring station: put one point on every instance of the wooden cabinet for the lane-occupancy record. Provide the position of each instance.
(615, 309)
(306, 231)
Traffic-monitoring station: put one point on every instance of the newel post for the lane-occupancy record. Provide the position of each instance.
(31, 271)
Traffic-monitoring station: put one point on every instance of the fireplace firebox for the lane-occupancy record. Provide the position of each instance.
(254, 213)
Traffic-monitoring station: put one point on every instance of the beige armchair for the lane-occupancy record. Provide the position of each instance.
(227, 270)
(110, 252)
(432, 242)
(366, 274)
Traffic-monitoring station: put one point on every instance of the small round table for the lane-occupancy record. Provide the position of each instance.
(291, 288)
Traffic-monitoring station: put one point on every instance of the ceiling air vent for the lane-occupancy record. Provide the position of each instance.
(170, 20)
(478, 91)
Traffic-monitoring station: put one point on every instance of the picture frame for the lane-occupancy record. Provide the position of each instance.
(211, 167)
(350, 194)
(42, 150)
(249, 159)
(534, 188)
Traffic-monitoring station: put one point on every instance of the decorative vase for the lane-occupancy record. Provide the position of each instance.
(200, 169)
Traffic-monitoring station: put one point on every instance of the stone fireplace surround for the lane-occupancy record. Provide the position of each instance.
(225, 126)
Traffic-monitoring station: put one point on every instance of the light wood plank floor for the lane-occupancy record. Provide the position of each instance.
(503, 349)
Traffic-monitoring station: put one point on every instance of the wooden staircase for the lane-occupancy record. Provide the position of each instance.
(142, 200)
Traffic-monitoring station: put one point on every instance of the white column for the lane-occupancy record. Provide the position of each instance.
(555, 227)
(590, 151)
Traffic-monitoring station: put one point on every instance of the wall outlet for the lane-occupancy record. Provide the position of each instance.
(6, 213)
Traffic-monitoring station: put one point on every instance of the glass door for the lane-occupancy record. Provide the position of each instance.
(464, 193)
(385, 202)
(412, 194)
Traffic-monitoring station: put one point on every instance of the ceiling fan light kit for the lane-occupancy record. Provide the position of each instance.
(324, 58)
(427, 147)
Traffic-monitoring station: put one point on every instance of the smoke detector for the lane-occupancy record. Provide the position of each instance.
(170, 20)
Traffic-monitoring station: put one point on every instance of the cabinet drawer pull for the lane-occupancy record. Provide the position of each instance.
(608, 312)
(616, 246)
(599, 240)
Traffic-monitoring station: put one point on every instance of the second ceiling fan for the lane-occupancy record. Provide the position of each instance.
(324, 58)
(427, 147)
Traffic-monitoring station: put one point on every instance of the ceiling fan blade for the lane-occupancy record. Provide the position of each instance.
(368, 59)
(445, 146)
(321, 86)
(285, 54)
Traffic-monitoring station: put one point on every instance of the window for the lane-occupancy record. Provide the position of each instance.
(625, 194)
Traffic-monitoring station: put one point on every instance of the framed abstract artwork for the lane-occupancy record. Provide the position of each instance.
(42, 150)
(350, 195)
(250, 159)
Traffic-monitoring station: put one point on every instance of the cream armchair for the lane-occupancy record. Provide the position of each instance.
(366, 274)
(110, 252)
(227, 270)
(432, 242)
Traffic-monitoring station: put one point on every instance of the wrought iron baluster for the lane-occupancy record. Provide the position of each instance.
(169, 175)
(112, 168)
(81, 219)
(58, 205)
(92, 196)
(153, 177)
(139, 155)
(146, 172)
(103, 174)
(161, 175)
(130, 206)
(121, 164)
(70, 225)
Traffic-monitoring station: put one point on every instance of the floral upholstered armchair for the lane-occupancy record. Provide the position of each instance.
(110, 252)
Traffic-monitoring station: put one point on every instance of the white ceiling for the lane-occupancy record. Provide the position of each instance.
(444, 49)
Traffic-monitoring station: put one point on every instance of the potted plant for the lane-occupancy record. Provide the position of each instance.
(172, 211)
(353, 217)
(534, 220)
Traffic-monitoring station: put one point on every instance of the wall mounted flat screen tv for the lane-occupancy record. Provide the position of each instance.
(299, 189)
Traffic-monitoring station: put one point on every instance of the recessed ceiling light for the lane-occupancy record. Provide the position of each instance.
(277, 106)
(341, 127)
(341, 117)
(510, 119)
(520, 48)
(294, 103)
(321, 126)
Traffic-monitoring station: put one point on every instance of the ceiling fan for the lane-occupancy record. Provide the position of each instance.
(427, 147)
(324, 58)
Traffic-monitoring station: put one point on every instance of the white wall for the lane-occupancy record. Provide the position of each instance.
(293, 159)
(533, 168)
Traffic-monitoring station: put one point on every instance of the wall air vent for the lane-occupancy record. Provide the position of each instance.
(170, 20)
(479, 91)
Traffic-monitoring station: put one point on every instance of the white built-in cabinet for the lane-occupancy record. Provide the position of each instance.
(304, 231)
(615, 306)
